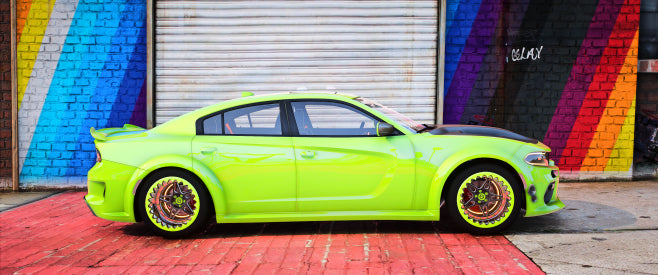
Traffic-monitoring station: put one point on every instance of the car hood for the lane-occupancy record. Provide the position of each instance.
(471, 130)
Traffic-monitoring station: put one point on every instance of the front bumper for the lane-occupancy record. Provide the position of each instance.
(106, 191)
(541, 187)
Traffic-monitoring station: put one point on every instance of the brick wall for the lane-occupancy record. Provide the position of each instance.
(563, 72)
(5, 94)
(81, 64)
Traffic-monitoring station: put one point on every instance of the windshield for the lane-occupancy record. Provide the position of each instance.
(399, 118)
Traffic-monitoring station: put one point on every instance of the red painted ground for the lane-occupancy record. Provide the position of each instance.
(60, 235)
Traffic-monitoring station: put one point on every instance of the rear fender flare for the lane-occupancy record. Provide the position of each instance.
(207, 177)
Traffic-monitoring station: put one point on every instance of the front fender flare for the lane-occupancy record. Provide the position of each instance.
(449, 166)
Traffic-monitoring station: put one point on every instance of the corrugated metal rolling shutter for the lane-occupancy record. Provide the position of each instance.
(209, 51)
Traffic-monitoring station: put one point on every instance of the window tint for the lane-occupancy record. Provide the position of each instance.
(213, 125)
(253, 120)
(332, 119)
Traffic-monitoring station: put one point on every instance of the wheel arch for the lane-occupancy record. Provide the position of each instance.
(188, 165)
(440, 183)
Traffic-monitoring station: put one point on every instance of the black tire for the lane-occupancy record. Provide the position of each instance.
(484, 199)
(173, 203)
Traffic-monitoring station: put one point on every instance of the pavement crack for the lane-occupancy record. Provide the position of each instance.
(327, 247)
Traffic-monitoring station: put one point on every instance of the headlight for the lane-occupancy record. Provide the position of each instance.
(538, 159)
(98, 156)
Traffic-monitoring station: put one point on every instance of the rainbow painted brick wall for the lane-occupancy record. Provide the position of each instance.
(81, 64)
(561, 71)
(564, 72)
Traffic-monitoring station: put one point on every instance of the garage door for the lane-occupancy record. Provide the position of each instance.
(210, 51)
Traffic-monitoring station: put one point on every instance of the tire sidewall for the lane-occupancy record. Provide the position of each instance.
(203, 198)
(453, 207)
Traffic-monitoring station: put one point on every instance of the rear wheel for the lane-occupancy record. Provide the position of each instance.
(174, 204)
(484, 199)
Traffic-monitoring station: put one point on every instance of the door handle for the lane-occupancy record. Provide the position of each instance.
(308, 154)
(208, 150)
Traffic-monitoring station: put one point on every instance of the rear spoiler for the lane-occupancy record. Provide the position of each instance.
(102, 134)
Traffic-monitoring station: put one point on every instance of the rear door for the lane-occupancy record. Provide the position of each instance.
(250, 153)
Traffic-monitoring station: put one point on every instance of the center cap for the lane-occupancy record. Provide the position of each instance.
(178, 200)
(482, 196)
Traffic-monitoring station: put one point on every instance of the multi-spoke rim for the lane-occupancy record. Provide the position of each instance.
(172, 203)
(485, 199)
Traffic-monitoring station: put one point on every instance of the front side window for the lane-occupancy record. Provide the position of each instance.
(399, 118)
(332, 119)
(253, 120)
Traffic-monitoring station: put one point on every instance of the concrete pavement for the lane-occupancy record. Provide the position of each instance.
(9, 200)
(605, 228)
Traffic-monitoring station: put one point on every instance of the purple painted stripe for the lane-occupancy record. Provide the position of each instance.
(139, 112)
(581, 75)
(471, 59)
(490, 85)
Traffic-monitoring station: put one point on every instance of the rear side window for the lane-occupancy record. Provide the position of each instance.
(252, 120)
(213, 125)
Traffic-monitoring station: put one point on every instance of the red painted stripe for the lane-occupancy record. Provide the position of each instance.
(601, 87)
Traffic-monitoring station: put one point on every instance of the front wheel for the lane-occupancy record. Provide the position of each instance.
(173, 203)
(484, 199)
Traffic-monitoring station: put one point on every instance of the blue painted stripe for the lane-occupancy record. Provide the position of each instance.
(119, 84)
(458, 31)
(451, 9)
(133, 80)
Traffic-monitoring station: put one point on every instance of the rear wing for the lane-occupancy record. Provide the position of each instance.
(104, 134)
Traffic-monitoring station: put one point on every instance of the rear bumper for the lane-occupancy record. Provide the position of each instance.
(106, 189)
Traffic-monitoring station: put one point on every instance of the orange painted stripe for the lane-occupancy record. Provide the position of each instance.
(22, 10)
(615, 114)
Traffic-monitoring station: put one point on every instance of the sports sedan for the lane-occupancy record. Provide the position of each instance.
(316, 157)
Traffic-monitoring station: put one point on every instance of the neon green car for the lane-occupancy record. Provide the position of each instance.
(316, 157)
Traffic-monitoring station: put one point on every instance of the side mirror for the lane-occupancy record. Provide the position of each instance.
(384, 129)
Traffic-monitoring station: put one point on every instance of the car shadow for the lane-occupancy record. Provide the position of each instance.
(577, 216)
(327, 227)
(232, 230)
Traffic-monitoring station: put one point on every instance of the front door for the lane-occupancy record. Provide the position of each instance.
(342, 165)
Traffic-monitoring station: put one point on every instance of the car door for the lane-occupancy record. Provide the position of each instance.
(342, 165)
(251, 154)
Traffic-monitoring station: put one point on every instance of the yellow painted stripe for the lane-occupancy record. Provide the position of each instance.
(30, 42)
(611, 127)
(621, 158)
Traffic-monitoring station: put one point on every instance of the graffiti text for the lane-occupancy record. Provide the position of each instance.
(526, 54)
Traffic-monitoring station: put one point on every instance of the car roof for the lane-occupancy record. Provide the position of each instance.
(185, 123)
(301, 94)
